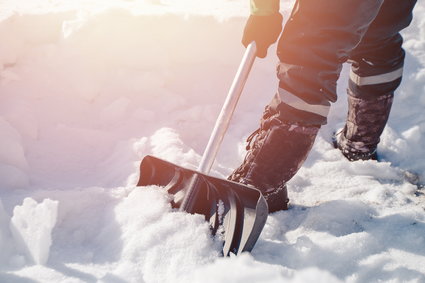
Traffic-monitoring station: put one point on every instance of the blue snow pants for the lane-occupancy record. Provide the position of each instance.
(320, 36)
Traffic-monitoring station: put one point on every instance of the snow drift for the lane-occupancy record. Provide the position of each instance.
(85, 94)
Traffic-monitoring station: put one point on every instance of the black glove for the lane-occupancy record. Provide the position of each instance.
(264, 30)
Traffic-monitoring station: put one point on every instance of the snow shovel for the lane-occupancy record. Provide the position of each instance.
(236, 213)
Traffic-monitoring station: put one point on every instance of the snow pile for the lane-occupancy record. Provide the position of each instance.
(149, 240)
(88, 89)
(32, 225)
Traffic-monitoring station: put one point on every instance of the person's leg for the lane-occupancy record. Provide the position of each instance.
(275, 152)
(377, 67)
(315, 42)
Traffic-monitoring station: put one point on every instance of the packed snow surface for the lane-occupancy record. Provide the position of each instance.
(88, 88)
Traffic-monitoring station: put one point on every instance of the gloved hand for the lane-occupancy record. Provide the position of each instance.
(264, 30)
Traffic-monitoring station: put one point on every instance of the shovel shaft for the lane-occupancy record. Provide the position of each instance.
(221, 126)
(227, 110)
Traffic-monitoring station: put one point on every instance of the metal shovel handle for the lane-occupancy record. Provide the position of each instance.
(227, 110)
(220, 128)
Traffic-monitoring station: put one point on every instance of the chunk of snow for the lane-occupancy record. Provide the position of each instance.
(32, 224)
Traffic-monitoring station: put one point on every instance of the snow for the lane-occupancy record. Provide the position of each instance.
(31, 226)
(88, 88)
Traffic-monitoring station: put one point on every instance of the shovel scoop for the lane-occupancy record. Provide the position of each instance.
(237, 213)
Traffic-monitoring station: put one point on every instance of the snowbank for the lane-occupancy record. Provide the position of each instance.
(88, 89)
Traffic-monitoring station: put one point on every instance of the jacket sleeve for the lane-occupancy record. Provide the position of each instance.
(264, 7)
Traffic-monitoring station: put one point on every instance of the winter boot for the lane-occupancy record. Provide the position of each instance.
(366, 121)
(275, 152)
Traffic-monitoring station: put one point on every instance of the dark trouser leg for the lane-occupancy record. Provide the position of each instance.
(317, 39)
(377, 67)
(315, 42)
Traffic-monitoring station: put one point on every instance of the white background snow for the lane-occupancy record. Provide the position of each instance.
(87, 88)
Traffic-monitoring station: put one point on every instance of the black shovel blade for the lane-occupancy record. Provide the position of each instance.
(236, 212)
